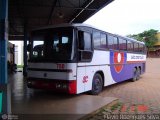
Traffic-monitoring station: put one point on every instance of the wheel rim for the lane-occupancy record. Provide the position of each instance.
(138, 74)
(97, 85)
(135, 75)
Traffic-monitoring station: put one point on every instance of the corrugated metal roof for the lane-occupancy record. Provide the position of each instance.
(38, 13)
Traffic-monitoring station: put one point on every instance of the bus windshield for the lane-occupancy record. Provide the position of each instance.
(52, 44)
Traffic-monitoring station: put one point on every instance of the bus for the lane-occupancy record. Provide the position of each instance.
(76, 58)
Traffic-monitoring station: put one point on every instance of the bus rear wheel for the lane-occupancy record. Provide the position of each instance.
(134, 75)
(97, 84)
(138, 73)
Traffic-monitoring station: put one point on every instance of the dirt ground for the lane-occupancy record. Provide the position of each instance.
(140, 97)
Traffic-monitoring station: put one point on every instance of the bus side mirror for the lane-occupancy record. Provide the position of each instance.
(28, 47)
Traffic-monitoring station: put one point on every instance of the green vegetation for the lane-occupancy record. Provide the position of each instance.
(19, 66)
(149, 37)
(115, 106)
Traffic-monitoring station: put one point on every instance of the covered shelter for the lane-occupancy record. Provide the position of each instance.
(19, 17)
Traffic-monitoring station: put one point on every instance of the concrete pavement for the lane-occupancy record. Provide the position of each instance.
(38, 104)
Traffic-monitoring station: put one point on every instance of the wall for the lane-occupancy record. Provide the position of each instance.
(18, 52)
(158, 36)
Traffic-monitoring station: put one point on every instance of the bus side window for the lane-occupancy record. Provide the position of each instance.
(85, 42)
(85, 46)
(130, 46)
(96, 39)
(122, 44)
(81, 40)
(136, 47)
(103, 41)
(115, 43)
(141, 48)
(110, 42)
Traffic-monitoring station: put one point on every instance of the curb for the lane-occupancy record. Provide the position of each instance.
(86, 117)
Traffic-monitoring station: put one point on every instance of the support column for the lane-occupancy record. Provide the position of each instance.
(4, 84)
(25, 49)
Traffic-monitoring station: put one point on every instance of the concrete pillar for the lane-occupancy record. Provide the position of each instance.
(25, 49)
(4, 84)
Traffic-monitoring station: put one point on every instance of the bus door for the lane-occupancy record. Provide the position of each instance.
(85, 52)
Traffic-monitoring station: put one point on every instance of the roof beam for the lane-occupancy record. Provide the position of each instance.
(88, 4)
(52, 10)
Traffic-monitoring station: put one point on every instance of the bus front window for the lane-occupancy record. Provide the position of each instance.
(52, 44)
(38, 48)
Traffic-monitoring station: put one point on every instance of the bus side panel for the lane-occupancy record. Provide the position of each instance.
(118, 66)
(130, 68)
(81, 73)
(90, 71)
(108, 79)
(122, 64)
(136, 61)
(100, 63)
(72, 67)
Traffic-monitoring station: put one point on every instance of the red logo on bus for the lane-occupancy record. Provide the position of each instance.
(85, 79)
(118, 61)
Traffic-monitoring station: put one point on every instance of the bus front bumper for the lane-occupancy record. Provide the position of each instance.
(65, 86)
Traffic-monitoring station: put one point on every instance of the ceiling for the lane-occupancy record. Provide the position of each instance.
(38, 13)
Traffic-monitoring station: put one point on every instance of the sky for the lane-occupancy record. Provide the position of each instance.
(126, 17)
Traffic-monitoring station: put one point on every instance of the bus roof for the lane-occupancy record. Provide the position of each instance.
(131, 39)
(65, 25)
(84, 25)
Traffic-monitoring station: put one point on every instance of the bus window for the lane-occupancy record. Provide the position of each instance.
(84, 41)
(85, 46)
(96, 39)
(38, 48)
(129, 46)
(103, 41)
(115, 43)
(87, 41)
(141, 48)
(122, 44)
(136, 47)
(65, 40)
(81, 40)
(110, 42)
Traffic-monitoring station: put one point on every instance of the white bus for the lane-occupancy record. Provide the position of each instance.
(76, 58)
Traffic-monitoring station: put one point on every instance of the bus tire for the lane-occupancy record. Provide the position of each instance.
(138, 73)
(134, 78)
(97, 84)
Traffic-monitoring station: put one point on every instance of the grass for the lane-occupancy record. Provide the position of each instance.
(19, 66)
(115, 106)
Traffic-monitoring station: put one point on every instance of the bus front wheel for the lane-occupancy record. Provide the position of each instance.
(97, 84)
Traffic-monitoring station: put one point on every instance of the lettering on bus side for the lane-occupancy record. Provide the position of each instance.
(60, 66)
(137, 57)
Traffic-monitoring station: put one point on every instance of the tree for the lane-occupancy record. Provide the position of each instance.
(149, 37)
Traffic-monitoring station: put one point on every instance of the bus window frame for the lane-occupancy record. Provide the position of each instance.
(83, 52)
